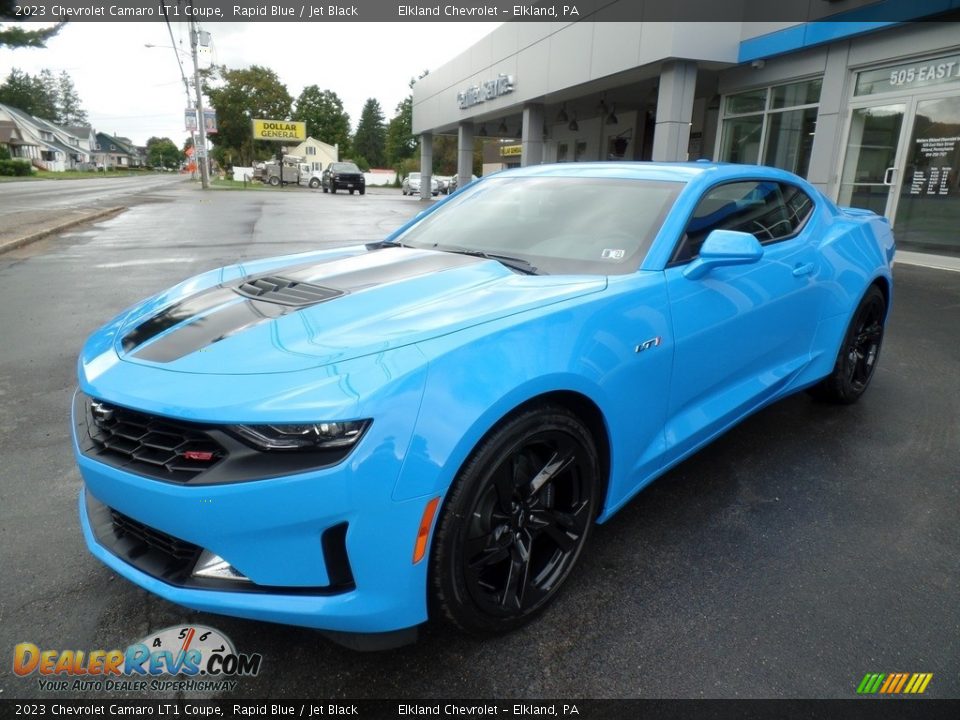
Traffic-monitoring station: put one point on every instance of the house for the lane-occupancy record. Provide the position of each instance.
(315, 153)
(13, 139)
(74, 156)
(87, 138)
(30, 141)
(46, 145)
(113, 153)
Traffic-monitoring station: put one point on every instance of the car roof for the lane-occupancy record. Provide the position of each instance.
(656, 171)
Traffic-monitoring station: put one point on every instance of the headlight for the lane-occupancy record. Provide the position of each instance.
(312, 436)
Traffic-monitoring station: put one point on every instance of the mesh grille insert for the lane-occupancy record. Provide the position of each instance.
(285, 291)
(149, 445)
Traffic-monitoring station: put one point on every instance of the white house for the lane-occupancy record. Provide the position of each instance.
(315, 153)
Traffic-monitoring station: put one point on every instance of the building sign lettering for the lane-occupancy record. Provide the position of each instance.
(934, 178)
(279, 130)
(908, 76)
(488, 90)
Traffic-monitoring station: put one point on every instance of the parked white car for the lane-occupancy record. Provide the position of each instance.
(411, 185)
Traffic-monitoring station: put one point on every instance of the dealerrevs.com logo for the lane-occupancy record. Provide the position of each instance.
(200, 658)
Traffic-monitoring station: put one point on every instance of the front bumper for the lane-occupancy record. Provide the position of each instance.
(273, 532)
(348, 183)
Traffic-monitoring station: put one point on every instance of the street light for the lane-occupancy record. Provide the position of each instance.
(204, 167)
(186, 89)
(200, 149)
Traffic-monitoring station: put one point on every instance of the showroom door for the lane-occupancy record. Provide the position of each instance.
(926, 215)
(870, 168)
(902, 160)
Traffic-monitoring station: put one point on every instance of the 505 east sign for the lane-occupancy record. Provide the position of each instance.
(488, 90)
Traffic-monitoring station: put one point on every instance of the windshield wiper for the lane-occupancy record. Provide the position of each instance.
(511, 262)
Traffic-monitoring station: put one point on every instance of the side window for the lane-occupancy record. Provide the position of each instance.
(768, 210)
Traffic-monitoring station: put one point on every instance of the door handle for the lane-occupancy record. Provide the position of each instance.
(888, 175)
(801, 270)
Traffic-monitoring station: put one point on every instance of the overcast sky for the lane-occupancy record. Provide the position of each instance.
(136, 92)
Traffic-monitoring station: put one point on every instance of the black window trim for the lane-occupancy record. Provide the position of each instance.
(673, 262)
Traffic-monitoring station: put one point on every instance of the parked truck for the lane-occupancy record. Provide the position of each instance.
(291, 169)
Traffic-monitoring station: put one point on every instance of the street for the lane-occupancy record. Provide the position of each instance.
(28, 207)
(806, 547)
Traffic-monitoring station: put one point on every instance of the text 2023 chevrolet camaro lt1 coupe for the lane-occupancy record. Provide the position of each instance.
(359, 438)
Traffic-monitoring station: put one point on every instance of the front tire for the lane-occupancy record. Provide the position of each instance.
(314, 183)
(858, 354)
(515, 521)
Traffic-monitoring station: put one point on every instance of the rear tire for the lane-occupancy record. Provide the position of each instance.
(515, 521)
(858, 354)
(274, 181)
(333, 188)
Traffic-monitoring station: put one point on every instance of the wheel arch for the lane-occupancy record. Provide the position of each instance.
(581, 406)
(883, 283)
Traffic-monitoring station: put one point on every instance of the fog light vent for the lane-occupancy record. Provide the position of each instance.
(213, 566)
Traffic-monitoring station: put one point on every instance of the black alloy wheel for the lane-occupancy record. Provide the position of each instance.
(515, 521)
(859, 352)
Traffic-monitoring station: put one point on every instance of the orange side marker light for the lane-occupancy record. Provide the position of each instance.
(423, 534)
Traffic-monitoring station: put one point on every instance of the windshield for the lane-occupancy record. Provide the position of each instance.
(344, 168)
(560, 225)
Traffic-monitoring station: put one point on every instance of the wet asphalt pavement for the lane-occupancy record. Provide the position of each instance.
(808, 546)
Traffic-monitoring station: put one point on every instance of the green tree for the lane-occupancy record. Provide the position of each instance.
(239, 96)
(325, 117)
(29, 94)
(401, 144)
(369, 142)
(13, 35)
(162, 152)
(69, 109)
(44, 96)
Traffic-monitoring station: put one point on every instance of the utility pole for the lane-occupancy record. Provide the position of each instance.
(200, 151)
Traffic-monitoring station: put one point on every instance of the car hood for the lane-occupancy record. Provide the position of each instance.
(326, 308)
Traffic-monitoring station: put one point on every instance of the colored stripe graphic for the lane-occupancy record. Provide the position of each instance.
(894, 683)
(870, 683)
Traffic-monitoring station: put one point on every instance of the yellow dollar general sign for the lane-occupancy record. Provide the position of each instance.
(894, 683)
(279, 130)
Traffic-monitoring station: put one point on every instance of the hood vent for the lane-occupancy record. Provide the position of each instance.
(284, 291)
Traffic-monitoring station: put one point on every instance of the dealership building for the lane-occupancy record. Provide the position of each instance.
(867, 110)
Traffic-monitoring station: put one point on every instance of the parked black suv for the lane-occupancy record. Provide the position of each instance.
(343, 176)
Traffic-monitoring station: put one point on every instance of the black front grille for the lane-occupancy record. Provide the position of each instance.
(285, 291)
(162, 555)
(172, 560)
(150, 445)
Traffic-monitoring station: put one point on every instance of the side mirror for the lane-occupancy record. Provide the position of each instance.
(721, 248)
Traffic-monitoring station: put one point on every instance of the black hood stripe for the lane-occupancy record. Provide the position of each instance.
(215, 314)
(175, 314)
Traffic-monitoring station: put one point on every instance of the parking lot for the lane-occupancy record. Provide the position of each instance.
(810, 545)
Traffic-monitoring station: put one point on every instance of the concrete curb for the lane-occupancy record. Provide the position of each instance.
(19, 242)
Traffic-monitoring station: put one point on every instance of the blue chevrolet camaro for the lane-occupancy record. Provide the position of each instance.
(359, 438)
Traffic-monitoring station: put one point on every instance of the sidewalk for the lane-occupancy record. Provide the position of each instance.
(25, 227)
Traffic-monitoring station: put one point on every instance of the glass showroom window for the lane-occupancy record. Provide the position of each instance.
(771, 126)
